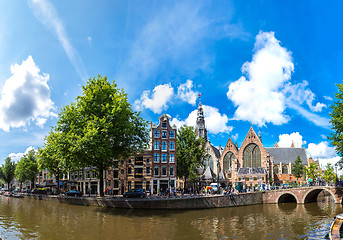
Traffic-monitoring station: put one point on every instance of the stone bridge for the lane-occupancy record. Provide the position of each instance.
(302, 195)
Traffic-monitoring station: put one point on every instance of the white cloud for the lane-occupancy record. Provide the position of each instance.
(161, 95)
(258, 97)
(25, 96)
(234, 137)
(185, 92)
(262, 95)
(299, 93)
(89, 38)
(47, 15)
(16, 156)
(214, 120)
(286, 140)
(328, 98)
(321, 150)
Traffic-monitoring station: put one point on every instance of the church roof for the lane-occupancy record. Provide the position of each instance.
(216, 151)
(287, 155)
(208, 174)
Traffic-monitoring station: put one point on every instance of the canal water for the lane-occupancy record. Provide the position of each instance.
(35, 219)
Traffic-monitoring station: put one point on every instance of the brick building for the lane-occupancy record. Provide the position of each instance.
(253, 164)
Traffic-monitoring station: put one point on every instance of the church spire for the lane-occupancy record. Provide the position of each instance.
(200, 126)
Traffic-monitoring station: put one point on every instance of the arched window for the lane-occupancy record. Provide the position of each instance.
(208, 162)
(252, 156)
(276, 169)
(228, 160)
(284, 169)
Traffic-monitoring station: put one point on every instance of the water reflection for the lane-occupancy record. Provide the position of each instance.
(33, 219)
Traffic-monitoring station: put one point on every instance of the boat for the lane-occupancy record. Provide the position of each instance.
(335, 229)
(17, 195)
(7, 194)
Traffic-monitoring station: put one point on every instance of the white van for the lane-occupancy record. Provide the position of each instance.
(214, 187)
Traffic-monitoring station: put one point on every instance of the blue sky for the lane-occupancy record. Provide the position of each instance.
(272, 64)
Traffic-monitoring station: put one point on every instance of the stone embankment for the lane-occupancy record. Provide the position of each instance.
(184, 202)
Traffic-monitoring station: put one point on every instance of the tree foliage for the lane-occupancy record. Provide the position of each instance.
(27, 167)
(190, 153)
(312, 171)
(298, 168)
(8, 169)
(100, 127)
(337, 124)
(329, 173)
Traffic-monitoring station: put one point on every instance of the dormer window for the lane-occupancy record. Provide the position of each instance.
(164, 125)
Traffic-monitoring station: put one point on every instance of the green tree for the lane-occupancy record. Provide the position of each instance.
(329, 173)
(312, 171)
(337, 124)
(101, 127)
(298, 168)
(27, 168)
(8, 169)
(190, 153)
(54, 155)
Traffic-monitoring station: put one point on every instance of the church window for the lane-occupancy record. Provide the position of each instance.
(276, 169)
(227, 162)
(252, 156)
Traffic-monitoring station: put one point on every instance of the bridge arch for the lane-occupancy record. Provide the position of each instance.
(287, 197)
(312, 194)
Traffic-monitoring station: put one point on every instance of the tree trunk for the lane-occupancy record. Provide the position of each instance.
(58, 181)
(101, 176)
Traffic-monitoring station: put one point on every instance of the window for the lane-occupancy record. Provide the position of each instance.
(164, 145)
(164, 171)
(172, 134)
(156, 171)
(164, 157)
(227, 162)
(171, 158)
(252, 156)
(156, 158)
(115, 174)
(276, 169)
(171, 171)
(156, 133)
(171, 146)
(148, 160)
(156, 145)
(129, 185)
(109, 183)
(164, 134)
(129, 171)
(284, 169)
(129, 161)
(121, 172)
(164, 125)
(148, 170)
(147, 185)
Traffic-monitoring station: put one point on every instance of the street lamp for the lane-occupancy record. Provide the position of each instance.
(218, 165)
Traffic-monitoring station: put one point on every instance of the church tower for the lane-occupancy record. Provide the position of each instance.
(200, 126)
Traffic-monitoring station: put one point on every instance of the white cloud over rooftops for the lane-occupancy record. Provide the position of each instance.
(25, 97)
(163, 94)
(185, 92)
(286, 140)
(264, 91)
(214, 120)
(17, 156)
(158, 101)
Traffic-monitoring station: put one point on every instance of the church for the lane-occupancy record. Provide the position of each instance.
(251, 164)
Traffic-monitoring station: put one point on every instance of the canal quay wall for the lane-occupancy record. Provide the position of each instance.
(184, 202)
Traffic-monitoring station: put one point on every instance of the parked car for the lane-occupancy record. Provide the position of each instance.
(26, 190)
(135, 193)
(39, 191)
(8, 194)
(214, 187)
(73, 193)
